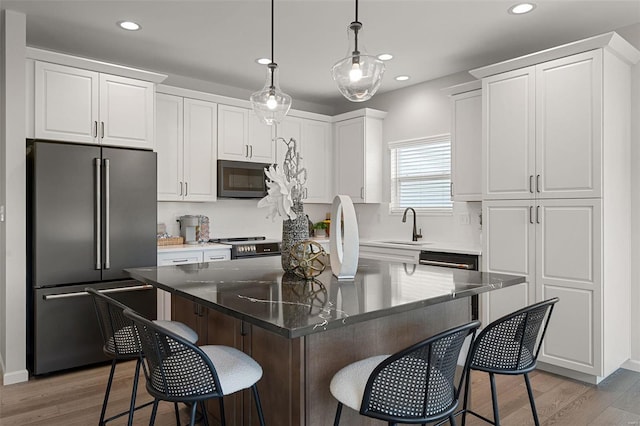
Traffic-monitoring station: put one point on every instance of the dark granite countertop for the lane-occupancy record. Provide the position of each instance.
(257, 290)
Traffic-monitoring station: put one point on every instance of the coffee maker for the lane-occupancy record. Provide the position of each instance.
(188, 228)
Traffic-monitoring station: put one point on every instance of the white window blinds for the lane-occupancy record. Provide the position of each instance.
(421, 175)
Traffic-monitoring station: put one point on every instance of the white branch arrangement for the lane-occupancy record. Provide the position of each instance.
(285, 184)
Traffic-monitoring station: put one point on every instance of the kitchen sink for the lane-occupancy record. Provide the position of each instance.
(403, 243)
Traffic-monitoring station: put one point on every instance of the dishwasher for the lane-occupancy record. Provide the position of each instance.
(453, 260)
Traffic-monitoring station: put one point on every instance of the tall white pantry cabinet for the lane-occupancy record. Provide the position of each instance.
(556, 196)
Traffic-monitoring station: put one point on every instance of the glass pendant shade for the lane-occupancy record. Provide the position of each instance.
(271, 104)
(359, 75)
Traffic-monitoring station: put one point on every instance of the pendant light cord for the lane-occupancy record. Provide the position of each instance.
(272, 60)
(355, 31)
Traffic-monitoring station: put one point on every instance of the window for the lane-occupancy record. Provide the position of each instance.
(421, 175)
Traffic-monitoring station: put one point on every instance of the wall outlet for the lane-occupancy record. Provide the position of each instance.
(2, 213)
(464, 219)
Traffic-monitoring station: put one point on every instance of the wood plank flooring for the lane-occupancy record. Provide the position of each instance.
(75, 399)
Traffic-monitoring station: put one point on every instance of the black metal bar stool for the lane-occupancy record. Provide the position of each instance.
(121, 343)
(415, 385)
(179, 371)
(509, 345)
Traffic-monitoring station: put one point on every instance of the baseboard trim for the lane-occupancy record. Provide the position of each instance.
(576, 375)
(14, 377)
(632, 365)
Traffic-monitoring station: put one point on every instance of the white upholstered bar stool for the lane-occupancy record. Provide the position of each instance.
(121, 343)
(415, 385)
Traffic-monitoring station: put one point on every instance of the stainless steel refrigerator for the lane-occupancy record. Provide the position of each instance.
(91, 213)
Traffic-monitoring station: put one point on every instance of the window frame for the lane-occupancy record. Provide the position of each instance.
(394, 209)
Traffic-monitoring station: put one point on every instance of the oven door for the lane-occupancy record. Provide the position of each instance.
(239, 179)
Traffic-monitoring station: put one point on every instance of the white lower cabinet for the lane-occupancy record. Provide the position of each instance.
(558, 246)
(183, 257)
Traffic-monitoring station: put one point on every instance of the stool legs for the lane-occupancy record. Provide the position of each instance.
(336, 421)
(254, 389)
(106, 394)
(132, 406)
(531, 401)
(494, 399)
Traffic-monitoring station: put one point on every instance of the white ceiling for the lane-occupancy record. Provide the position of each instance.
(218, 41)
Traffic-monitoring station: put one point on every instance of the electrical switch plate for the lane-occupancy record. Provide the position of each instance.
(1, 213)
(465, 219)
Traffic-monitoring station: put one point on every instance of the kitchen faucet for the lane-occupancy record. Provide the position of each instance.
(415, 235)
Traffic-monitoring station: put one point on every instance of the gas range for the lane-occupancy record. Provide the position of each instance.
(243, 247)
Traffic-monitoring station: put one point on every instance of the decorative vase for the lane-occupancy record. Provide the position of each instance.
(293, 231)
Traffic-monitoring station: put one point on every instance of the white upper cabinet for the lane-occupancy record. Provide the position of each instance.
(186, 145)
(169, 146)
(314, 143)
(126, 112)
(358, 155)
(76, 105)
(466, 143)
(242, 137)
(508, 156)
(530, 152)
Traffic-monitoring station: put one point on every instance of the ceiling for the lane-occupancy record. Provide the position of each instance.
(218, 41)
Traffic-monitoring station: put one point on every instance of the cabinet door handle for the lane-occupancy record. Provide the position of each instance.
(102, 130)
(531, 214)
(531, 184)
(451, 189)
(246, 149)
(362, 192)
(251, 155)
(537, 214)
(180, 188)
(537, 183)
(95, 129)
(186, 189)
(179, 260)
(216, 258)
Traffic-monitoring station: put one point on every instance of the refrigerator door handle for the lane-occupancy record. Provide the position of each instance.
(107, 251)
(98, 229)
(107, 291)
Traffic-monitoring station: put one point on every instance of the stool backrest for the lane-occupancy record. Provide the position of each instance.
(176, 368)
(417, 383)
(512, 343)
(117, 331)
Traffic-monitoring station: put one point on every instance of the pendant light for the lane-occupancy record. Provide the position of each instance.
(271, 104)
(359, 75)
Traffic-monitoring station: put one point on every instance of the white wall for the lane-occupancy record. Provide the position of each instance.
(12, 196)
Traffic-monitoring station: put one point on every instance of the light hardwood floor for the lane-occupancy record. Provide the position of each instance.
(75, 398)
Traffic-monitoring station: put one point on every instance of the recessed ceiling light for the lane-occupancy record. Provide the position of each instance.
(129, 25)
(521, 8)
(402, 78)
(263, 61)
(385, 56)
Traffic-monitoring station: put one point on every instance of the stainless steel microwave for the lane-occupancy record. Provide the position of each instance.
(240, 179)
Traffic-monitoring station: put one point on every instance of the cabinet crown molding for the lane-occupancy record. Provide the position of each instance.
(612, 41)
(93, 65)
(364, 112)
(469, 86)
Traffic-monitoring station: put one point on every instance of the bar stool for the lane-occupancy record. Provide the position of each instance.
(179, 371)
(121, 343)
(415, 385)
(509, 345)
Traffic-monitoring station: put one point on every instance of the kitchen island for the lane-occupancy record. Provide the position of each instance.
(301, 332)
